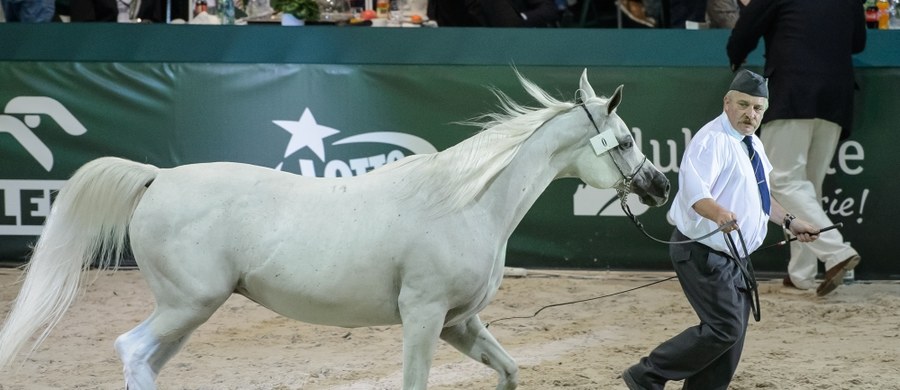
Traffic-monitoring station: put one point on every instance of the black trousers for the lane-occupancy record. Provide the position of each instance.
(706, 355)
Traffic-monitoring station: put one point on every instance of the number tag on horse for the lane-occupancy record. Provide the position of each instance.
(603, 142)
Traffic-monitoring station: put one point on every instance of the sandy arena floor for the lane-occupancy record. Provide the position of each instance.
(847, 340)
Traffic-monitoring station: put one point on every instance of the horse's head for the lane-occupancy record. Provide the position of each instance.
(611, 158)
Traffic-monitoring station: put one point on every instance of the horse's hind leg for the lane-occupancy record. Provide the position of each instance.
(474, 340)
(146, 348)
(143, 355)
(184, 302)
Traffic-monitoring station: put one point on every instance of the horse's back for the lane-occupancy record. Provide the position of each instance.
(303, 247)
(211, 203)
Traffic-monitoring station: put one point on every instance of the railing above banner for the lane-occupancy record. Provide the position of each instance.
(366, 45)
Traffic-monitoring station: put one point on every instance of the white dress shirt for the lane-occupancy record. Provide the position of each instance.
(716, 165)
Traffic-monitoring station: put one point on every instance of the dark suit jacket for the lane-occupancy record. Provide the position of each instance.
(809, 44)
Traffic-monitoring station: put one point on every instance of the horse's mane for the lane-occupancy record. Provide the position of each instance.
(452, 178)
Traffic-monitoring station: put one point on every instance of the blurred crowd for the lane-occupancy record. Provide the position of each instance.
(683, 13)
(448, 13)
(130, 11)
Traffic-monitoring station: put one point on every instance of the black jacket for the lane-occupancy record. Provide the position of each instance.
(809, 48)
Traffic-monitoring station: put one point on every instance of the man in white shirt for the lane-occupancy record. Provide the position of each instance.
(723, 183)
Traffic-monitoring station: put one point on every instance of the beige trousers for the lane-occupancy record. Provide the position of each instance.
(801, 151)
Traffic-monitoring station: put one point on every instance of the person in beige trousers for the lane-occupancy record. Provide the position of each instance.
(809, 46)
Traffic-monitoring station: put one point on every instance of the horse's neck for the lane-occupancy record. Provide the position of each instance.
(515, 189)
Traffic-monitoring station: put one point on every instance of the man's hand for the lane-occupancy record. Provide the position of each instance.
(804, 231)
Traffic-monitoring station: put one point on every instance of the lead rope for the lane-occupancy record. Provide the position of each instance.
(487, 324)
(623, 194)
(746, 271)
(749, 277)
(746, 267)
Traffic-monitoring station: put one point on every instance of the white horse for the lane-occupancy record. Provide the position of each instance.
(420, 242)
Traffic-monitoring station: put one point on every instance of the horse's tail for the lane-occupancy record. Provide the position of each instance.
(88, 221)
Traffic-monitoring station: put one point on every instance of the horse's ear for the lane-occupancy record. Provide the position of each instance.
(614, 100)
(584, 87)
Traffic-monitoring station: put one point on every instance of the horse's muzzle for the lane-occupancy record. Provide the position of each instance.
(652, 187)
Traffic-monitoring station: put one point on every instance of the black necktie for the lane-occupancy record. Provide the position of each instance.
(760, 174)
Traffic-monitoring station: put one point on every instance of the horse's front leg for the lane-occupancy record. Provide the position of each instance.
(473, 339)
(422, 323)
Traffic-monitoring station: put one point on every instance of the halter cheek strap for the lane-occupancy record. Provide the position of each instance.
(606, 141)
(603, 141)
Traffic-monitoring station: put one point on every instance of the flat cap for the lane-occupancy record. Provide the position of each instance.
(750, 83)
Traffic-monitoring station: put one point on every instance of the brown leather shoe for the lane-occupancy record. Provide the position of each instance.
(835, 276)
(787, 282)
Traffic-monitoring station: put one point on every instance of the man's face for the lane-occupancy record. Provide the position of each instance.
(745, 111)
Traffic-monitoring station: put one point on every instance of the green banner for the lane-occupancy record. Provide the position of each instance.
(342, 120)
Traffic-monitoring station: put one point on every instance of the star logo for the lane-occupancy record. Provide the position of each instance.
(305, 132)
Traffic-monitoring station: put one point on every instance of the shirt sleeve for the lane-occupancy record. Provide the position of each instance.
(699, 169)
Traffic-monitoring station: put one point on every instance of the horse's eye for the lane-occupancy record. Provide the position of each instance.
(627, 145)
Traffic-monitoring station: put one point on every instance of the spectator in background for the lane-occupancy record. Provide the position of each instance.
(123, 11)
(28, 11)
(643, 12)
(724, 13)
(714, 13)
(519, 13)
(455, 13)
(681, 11)
(493, 13)
(808, 49)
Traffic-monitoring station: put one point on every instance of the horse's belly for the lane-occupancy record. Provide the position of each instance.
(325, 299)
